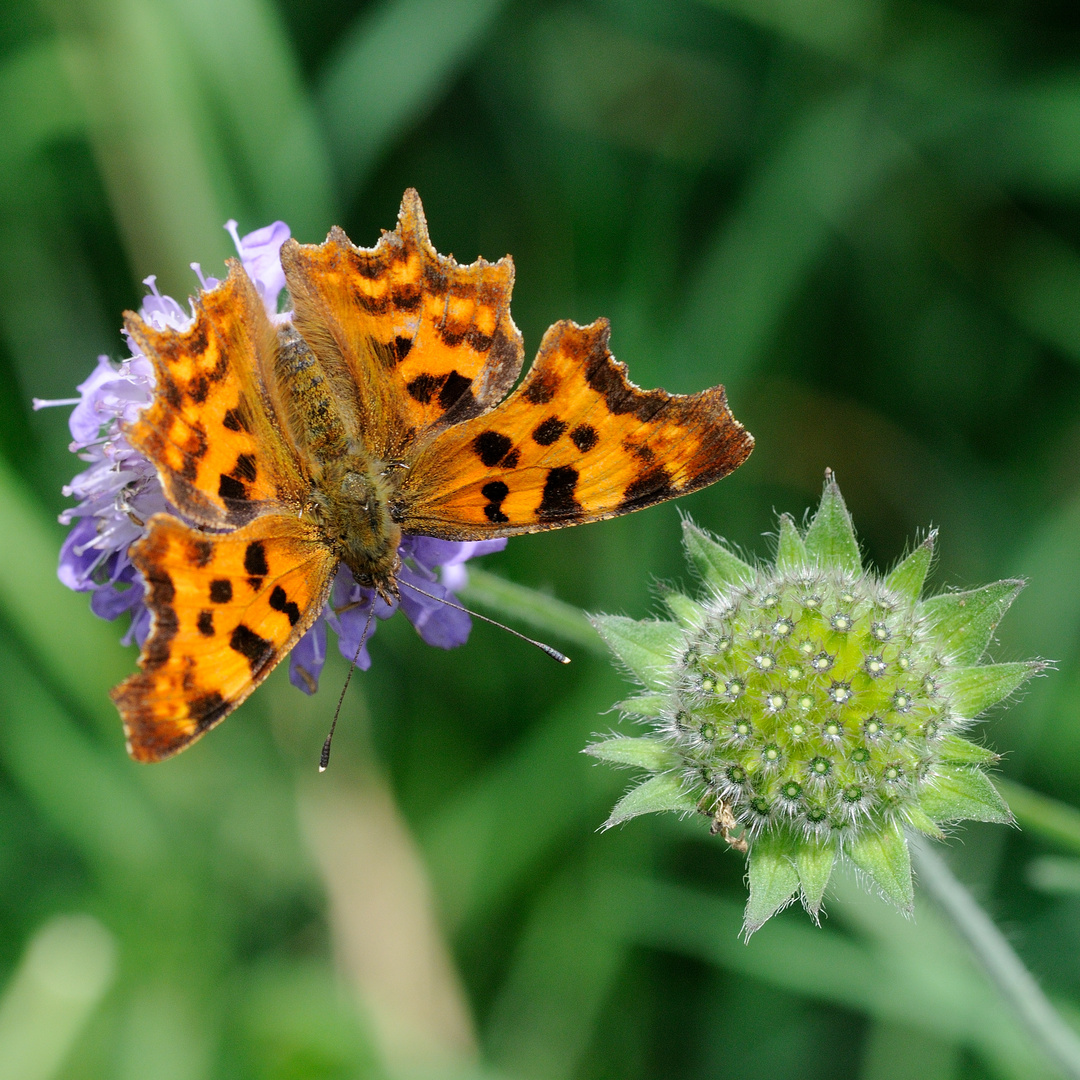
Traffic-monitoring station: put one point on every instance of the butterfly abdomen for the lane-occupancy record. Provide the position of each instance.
(311, 403)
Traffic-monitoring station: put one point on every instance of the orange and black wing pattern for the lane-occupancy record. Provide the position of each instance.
(211, 430)
(226, 608)
(425, 342)
(576, 442)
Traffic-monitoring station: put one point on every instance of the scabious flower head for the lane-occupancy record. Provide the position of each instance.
(119, 491)
(813, 710)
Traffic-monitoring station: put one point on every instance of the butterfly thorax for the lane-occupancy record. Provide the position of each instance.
(350, 500)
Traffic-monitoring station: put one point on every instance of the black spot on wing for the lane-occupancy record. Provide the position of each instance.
(206, 708)
(198, 389)
(541, 388)
(245, 468)
(255, 559)
(402, 345)
(557, 502)
(650, 487)
(234, 420)
(491, 447)
(231, 488)
(220, 591)
(584, 437)
(162, 593)
(201, 552)
(453, 388)
(511, 460)
(255, 649)
(495, 491)
(205, 622)
(406, 298)
(423, 387)
(279, 601)
(549, 431)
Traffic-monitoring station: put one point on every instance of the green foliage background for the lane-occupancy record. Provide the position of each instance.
(863, 217)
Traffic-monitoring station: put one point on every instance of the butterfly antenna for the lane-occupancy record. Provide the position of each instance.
(324, 757)
(544, 648)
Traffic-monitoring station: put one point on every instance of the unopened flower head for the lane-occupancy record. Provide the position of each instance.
(119, 491)
(814, 710)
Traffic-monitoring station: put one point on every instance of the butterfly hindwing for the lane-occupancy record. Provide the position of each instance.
(211, 430)
(577, 441)
(424, 342)
(226, 608)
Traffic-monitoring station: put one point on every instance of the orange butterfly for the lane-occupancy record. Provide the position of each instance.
(376, 411)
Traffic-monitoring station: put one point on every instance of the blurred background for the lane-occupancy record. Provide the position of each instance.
(863, 217)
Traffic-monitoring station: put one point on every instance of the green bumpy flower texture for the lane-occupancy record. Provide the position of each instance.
(814, 710)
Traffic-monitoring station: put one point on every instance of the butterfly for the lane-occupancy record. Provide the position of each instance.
(383, 407)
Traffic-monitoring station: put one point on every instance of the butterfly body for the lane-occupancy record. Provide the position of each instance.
(376, 411)
(351, 501)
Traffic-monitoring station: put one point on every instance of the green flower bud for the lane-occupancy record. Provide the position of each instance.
(814, 710)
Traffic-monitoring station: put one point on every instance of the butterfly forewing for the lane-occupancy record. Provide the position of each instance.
(211, 431)
(425, 342)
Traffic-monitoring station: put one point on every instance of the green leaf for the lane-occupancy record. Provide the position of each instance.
(908, 575)
(884, 856)
(830, 539)
(791, 550)
(815, 861)
(647, 647)
(963, 793)
(918, 819)
(959, 751)
(664, 792)
(774, 880)
(714, 562)
(689, 612)
(652, 705)
(972, 690)
(966, 620)
(652, 754)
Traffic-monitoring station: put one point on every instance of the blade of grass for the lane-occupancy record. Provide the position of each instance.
(257, 84)
(759, 259)
(163, 165)
(483, 845)
(566, 965)
(393, 63)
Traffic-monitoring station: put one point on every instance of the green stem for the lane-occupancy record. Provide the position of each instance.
(997, 958)
(1049, 818)
(537, 610)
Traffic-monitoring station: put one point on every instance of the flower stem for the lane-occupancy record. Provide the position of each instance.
(541, 612)
(997, 958)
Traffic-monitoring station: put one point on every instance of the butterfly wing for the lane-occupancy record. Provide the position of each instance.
(577, 441)
(226, 608)
(424, 342)
(212, 429)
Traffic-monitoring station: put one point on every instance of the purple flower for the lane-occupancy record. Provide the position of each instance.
(434, 611)
(119, 491)
(260, 252)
